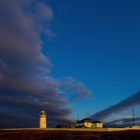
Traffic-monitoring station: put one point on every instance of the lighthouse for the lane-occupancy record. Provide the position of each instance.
(43, 118)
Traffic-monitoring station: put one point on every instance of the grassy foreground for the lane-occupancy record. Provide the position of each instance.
(67, 135)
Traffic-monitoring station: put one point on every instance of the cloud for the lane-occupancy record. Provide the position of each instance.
(75, 89)
(44, 12)
(50, 34)
(122, 105)
(125, 121)
(26, 85)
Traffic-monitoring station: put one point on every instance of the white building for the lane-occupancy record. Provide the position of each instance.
(87, 123)
(97, 124)
(43, 119)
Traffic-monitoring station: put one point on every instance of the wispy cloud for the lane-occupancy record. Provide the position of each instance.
(26, 86)
(122, 105)
(75, 89)
(125, 121)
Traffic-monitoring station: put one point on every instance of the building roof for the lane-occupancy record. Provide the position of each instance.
(88, 120)
(97, 122)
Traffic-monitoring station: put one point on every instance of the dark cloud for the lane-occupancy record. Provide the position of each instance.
(26, 86)
(122, 105)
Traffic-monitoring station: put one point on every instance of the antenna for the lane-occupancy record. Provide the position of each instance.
(78, 120)
(78, 117)
(133, 115)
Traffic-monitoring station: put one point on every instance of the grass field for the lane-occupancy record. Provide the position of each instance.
(37, 134)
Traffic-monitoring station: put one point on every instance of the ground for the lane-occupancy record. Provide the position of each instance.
(68, 135)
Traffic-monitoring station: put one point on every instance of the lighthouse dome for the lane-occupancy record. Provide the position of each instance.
(42, 113)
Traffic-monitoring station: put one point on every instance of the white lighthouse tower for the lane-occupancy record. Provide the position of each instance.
(43, 118)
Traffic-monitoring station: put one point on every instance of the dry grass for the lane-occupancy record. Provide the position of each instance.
(67, 135)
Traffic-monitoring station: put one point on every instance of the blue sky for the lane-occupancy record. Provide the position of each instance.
(70, 58)
(98, 44)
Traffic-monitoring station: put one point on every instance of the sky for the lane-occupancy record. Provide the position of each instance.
(72, 58)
